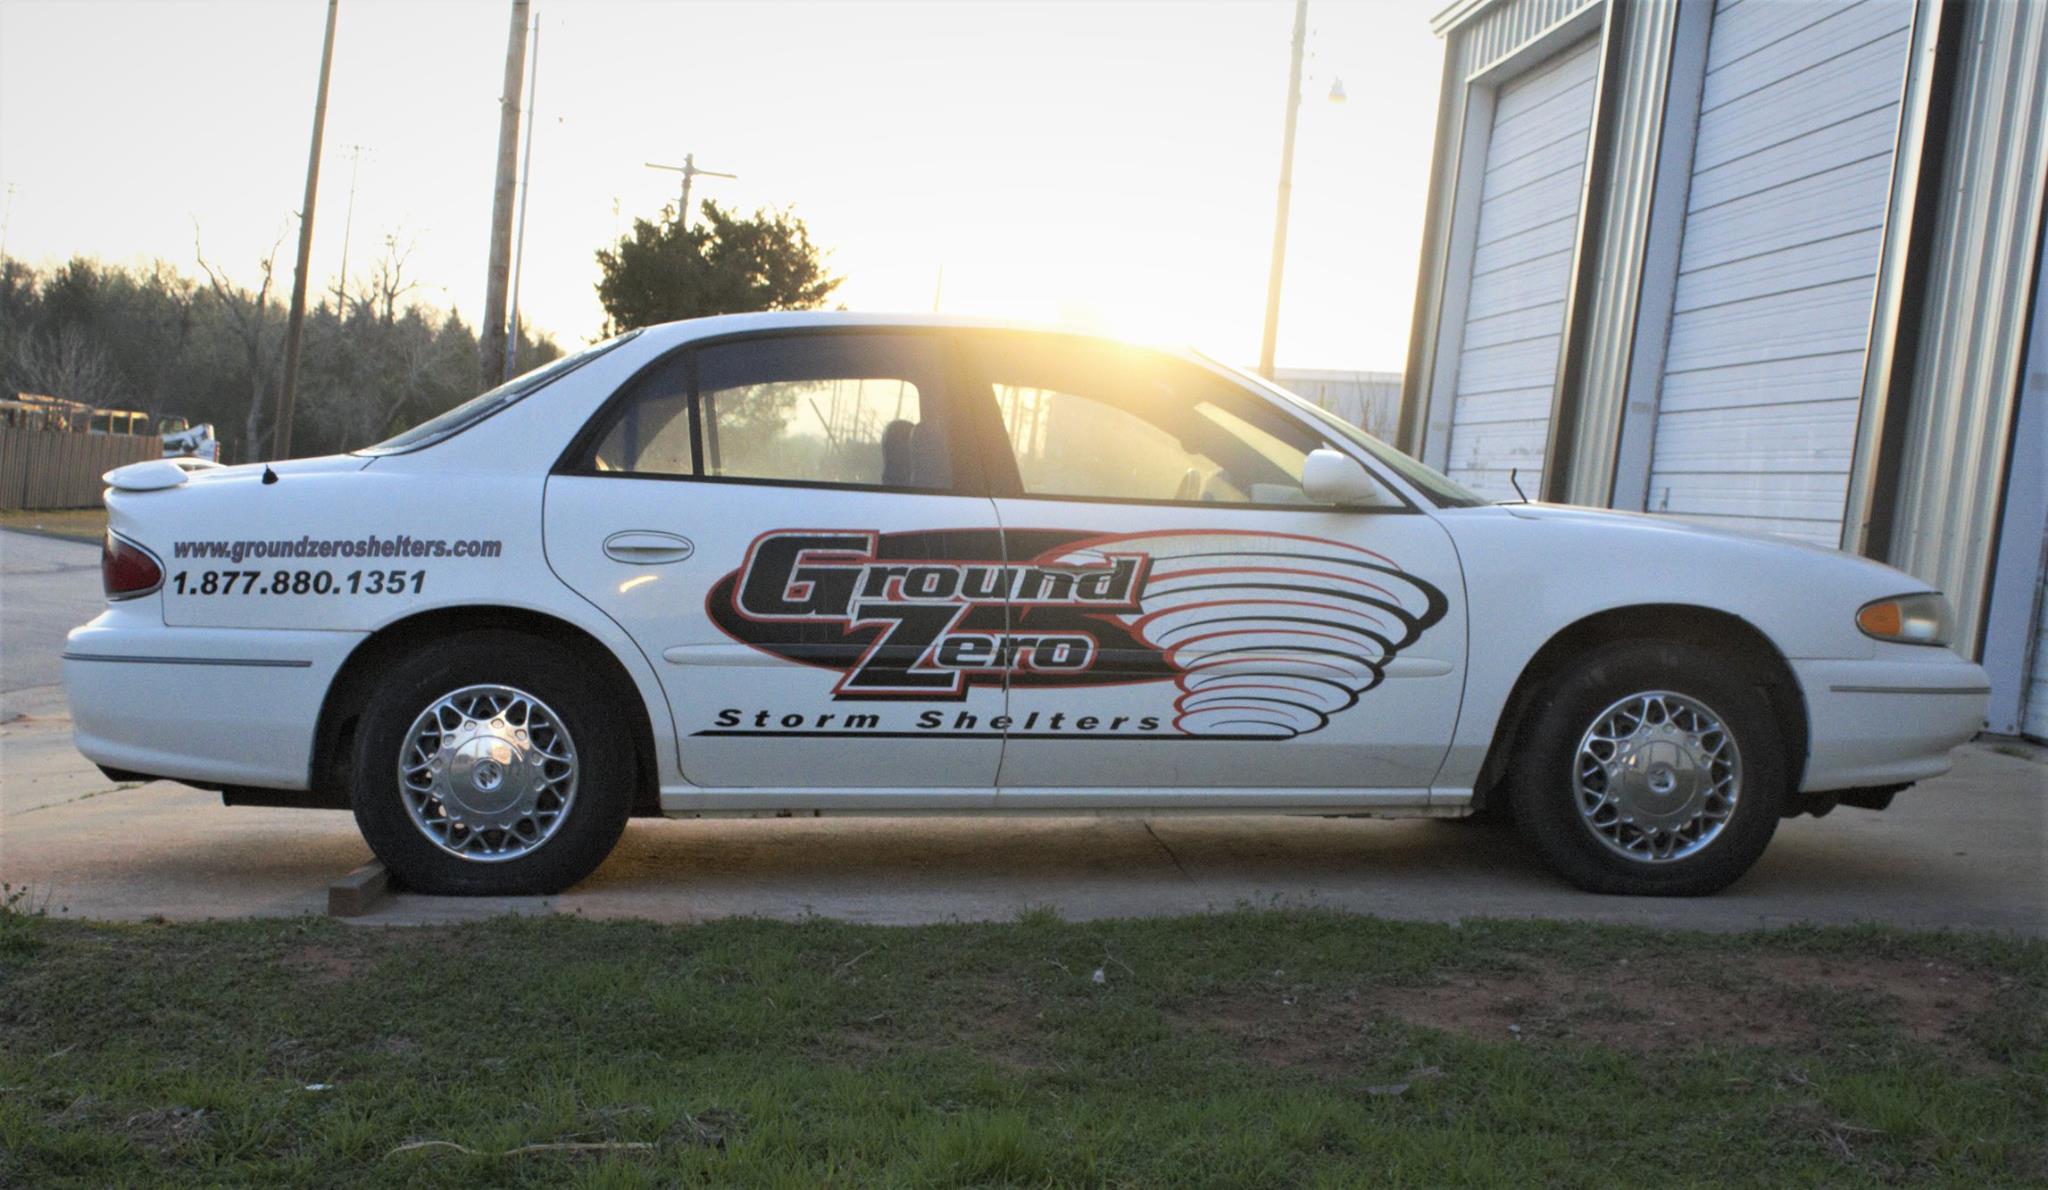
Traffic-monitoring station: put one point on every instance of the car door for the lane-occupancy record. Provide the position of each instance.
(1237, 635)
(782, 523)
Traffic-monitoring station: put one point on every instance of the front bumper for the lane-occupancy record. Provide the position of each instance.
(213, 706)
(1888, 721)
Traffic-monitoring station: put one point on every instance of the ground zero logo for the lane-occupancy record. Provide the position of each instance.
(1242, 634)
(923, 624)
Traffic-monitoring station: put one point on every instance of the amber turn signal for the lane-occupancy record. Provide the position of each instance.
(1922, 619)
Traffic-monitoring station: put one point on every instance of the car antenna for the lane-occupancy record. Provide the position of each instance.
(269, 476)
(1512, 472)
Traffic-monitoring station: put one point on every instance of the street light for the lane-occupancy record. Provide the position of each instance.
(1279, 264)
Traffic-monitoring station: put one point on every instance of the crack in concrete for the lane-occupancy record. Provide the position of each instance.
(79, 797)
(1177, 865)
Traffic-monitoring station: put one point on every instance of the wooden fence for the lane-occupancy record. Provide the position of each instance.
(57, 469)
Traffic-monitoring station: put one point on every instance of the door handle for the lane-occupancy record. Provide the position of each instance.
(646, 547)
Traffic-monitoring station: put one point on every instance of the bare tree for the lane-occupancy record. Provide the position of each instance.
(250, 313)
(67, 365)
(387, 278)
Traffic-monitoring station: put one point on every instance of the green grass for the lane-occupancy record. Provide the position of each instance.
(1247, 1049)
(88, 525)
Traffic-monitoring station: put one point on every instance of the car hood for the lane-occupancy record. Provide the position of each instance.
(1664, 524)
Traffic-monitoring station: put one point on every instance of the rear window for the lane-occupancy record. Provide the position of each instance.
(477, 408)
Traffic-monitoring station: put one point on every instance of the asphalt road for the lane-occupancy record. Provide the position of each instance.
(1964, 851)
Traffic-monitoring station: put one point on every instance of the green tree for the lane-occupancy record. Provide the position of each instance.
(722, 264)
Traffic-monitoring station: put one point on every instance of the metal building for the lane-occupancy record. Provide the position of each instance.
(1773, 264)
(1369, 400)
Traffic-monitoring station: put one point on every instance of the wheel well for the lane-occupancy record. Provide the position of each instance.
(351, 688)
(1703, 627)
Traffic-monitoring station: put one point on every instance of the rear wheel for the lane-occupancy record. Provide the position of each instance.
(487, 764)
(1651, 768)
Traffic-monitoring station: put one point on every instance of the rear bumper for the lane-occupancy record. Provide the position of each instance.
(216, 706)
(1888, 721)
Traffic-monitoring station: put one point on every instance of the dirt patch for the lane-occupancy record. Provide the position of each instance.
(324, 964)
(166, 1129)
(1791, 1001)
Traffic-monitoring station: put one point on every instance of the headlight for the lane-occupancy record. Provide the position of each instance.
(1922, 619)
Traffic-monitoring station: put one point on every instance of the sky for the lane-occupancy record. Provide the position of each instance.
(1105, 164)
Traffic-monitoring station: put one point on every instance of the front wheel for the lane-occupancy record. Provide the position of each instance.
(486, 764)
(1651, 768)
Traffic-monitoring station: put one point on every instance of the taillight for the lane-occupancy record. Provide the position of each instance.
(126, 569)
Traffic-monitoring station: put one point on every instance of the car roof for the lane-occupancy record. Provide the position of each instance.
(689, 330)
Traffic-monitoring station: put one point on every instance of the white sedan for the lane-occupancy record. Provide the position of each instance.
(827, 563)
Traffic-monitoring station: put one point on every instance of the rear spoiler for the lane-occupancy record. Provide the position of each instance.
(155, 474)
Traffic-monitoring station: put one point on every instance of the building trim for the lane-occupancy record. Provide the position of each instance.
(2018, 566)
(1595, 186)
(1663, 242)
(1432, 269)
(1898, 301)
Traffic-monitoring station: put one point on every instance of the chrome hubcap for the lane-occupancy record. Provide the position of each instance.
(488, 773)
(1658, 776)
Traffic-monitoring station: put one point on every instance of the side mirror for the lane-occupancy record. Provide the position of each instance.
(1328, 477)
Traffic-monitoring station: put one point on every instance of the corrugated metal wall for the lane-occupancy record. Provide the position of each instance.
(1783, 237)
(1609, 337)
(1967, 368)
(1496, 34)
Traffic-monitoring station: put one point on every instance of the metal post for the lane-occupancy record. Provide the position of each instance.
(348, 224)
(525, 191)
(1279, 265)
(689, 172)
(295, 324)
(491, 348)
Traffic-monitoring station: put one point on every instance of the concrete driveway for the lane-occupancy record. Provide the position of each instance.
(1964, 851)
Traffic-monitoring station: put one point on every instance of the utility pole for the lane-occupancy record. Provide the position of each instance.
(295, 324)
(1279, 265)
(491, 349)
(689, 171)
(6, 221)
(525, 192)
(348, 223)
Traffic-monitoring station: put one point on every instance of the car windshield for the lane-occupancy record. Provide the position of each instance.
(477, 408)
(1445, 491)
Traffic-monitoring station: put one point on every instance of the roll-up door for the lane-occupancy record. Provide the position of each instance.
(1521, 273)
(1792, 169)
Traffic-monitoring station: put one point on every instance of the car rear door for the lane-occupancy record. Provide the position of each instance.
(783, 523)
(1237, 636)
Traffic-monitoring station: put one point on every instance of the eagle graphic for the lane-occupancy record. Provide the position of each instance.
(1269, 634)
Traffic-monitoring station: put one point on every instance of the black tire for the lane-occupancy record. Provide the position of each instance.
(596, 814)
(1543, 795)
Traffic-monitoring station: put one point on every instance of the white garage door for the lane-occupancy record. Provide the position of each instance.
(1778, 270)
(1521, 272)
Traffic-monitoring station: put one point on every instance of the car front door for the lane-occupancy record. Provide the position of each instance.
(784, 523)
(1185, 616)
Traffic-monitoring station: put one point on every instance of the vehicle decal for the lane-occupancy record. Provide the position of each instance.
(1263, 635)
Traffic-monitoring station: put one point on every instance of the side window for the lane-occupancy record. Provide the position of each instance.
(856, 409)
(1100, 421)
(652, 433)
